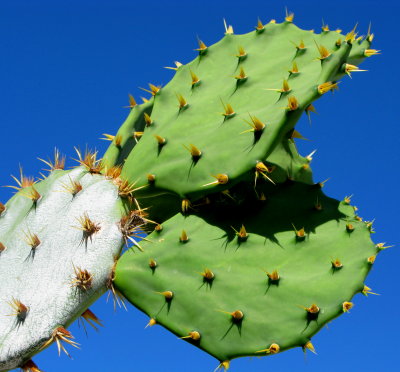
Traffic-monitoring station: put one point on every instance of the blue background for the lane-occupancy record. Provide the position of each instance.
(66, 68)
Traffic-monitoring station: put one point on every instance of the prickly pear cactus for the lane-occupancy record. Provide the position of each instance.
(232, 106)
(252, 278)
(59, 240)
(258, 261)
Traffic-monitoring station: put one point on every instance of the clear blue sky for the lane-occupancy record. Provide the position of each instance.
(65, 72)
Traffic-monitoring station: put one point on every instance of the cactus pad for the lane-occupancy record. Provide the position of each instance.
(231, 106)
(59, 238)
(252, 278)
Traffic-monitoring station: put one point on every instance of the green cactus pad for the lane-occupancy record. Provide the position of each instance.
(324, 265)
(44, 247)
(187, 113)
(128, 135)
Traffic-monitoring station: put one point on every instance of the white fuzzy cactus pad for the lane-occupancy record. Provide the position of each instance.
(59, 239)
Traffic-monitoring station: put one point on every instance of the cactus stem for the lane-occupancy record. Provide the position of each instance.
(347, 306)
(61, 334)
(273, 349)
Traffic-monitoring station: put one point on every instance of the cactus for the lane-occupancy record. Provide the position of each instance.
(58, 250)
(217, 144)
(205, 134)
(235, 279)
